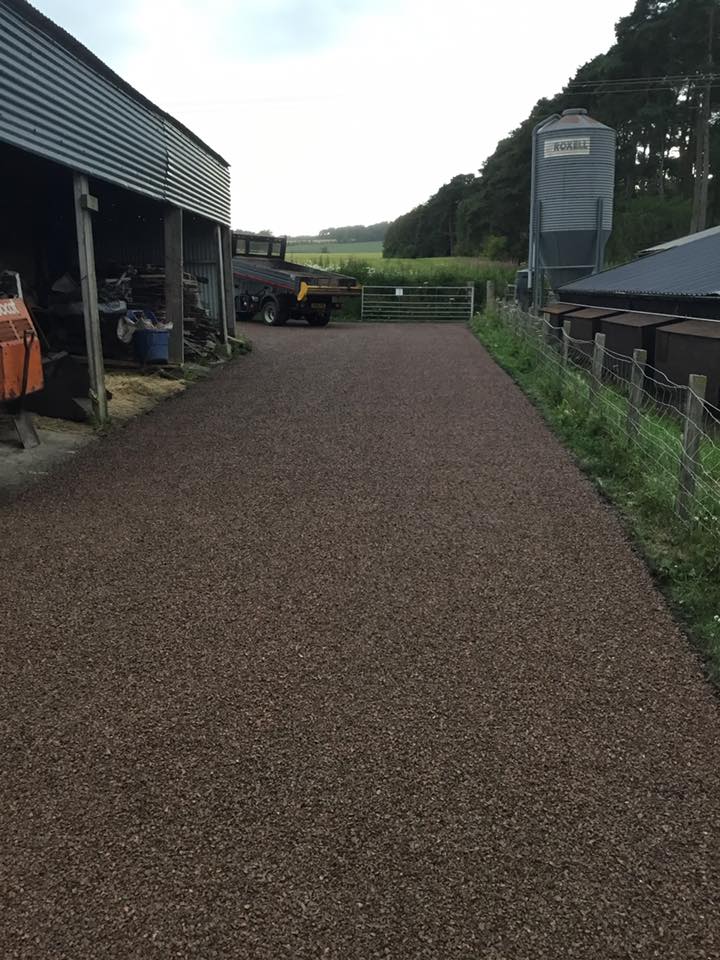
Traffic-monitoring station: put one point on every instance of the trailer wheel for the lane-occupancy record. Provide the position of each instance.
(243, 308)
(319, 319)
(272, 313)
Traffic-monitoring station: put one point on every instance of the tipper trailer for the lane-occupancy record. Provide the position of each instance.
(278, 290)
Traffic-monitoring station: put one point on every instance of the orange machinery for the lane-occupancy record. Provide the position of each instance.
(20, 362)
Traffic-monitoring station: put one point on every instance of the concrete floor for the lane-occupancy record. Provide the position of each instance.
(59, 442)
(133, 394)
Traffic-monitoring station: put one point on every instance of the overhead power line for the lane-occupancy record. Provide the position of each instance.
(665, 78)
(645, 84)
(613, 90)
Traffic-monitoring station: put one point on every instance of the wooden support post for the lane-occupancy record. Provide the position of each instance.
(222, 299)
(229, 282)
(489, 294)
(550, 325)
(598, 361)
(566, 329)
(84, 204)
(637, 379)
(694, 409)
(529, 326)
(174, 310)
(471, 288)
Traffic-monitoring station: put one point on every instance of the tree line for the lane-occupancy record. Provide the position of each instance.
(352, 234)
(355, 234)
(656, 87)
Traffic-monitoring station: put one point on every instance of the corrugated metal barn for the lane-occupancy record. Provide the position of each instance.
(666, 302)
(96, 177)
(682, 279)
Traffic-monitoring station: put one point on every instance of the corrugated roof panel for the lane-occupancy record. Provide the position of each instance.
(195, 180)
(33, 17)
(679, 241)
(688, 270)
(56, 105)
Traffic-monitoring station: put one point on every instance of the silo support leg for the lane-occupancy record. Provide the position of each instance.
(598, 235)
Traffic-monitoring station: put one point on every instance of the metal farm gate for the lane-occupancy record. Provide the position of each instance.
(418, 304)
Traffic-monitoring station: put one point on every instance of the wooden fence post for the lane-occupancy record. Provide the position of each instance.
(637, 378)
(489, 293)
(523, 322)
(536, 322)
(566, 329)
(694, 409)
(598, 360)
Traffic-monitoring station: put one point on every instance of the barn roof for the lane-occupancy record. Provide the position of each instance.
(685, 270)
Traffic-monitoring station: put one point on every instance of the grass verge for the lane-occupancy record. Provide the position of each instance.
(684, 559)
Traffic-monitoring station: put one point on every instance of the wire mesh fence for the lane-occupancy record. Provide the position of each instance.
(672, 434)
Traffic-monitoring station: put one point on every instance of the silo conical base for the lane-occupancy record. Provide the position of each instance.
(569, 255)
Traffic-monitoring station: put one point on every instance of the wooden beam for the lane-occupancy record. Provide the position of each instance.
(88, 283)
(229, 283)
(222, 300)
(174, 281)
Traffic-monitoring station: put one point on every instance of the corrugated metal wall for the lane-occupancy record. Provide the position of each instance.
(569, 186)
(127, 230)
(54, 105)
(201, 256)
(192, 174)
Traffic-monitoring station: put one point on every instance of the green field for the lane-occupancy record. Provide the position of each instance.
(372, 268)
(367, 247)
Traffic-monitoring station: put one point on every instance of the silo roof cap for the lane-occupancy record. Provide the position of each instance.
(573, 119)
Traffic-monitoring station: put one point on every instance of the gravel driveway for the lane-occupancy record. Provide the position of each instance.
(339, 656)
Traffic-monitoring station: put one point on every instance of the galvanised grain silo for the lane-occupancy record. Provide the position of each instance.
(573, 186)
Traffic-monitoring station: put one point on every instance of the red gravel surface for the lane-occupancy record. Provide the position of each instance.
(339, 656)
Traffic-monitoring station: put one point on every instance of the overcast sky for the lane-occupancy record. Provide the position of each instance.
(334, 112)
